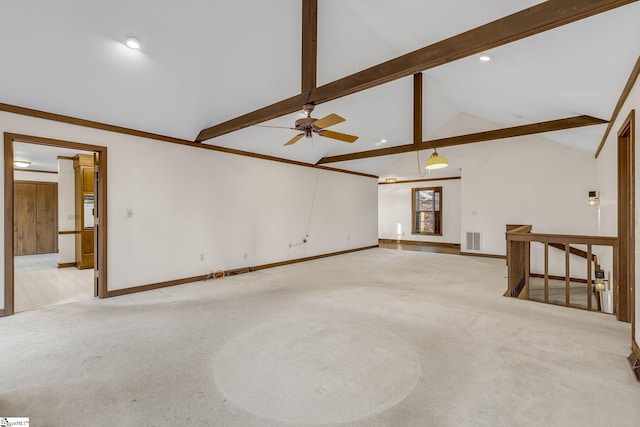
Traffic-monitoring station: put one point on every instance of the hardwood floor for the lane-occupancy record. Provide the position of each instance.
(419, 247)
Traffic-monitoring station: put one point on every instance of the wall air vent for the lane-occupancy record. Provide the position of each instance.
(473, 241)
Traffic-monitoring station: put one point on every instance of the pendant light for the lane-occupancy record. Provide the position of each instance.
(436, 161)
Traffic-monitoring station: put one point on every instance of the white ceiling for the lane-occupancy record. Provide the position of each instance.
(42, 157)
(204, 62)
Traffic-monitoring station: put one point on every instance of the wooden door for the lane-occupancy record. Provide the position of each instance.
(35, 218)
(25, 223)
(47, 219)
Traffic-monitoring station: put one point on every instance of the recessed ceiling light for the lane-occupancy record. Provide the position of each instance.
(383, 141)
(21, 164)
(484, 58)
(132, 41)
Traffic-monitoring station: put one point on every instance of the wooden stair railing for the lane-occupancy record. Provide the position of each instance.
(593, 258)
(518, 259)
(577, 252)
(519, 240)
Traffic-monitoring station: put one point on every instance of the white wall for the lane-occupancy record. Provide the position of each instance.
(607, 165)
(223, 206)
(25, 175)
(66, 211)
(187, 202)
(524, 180)
(2, 235)
(394, 207)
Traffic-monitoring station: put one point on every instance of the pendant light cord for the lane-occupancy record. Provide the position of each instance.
(422, 175)
(305, 239)
(313, 199)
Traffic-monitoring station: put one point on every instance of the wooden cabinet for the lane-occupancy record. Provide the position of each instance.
(35, 227)
(84, 211)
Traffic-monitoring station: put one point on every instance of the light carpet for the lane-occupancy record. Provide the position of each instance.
(372, 338)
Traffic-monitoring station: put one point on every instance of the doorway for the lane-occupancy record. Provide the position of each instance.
(623, 291)
(45, 261)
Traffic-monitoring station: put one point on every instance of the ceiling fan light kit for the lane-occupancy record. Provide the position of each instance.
(309, 125)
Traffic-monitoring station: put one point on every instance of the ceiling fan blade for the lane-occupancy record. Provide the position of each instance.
(330, 120)
(337, 135)
(277, 127)
(294, 139)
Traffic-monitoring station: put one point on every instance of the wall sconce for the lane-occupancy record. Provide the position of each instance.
(594, 199)
(390, 180)
(600, 283)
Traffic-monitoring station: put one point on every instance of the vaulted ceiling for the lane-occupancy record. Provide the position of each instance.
(205, 62)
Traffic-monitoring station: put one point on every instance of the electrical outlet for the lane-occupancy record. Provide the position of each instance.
(245, 255)
(129, 213)
(201, 257)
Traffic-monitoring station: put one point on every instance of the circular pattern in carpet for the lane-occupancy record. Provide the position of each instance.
(316, 370)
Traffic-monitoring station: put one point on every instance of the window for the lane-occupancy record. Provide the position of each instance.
(427, 211)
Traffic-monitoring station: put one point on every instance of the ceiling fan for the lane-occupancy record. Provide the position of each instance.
(309, 125)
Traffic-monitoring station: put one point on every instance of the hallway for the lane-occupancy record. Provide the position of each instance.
(39, 283)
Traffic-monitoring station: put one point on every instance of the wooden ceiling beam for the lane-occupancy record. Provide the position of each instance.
(287, 106)
(511, 132)
(309, 45)
(417, 108)
(525, 23)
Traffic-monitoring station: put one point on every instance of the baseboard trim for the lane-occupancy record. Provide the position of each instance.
(311, 258)
(66, 264)
(152, 286)
(481, 255)
(634, 358)
(420, 243)
(563, 278)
